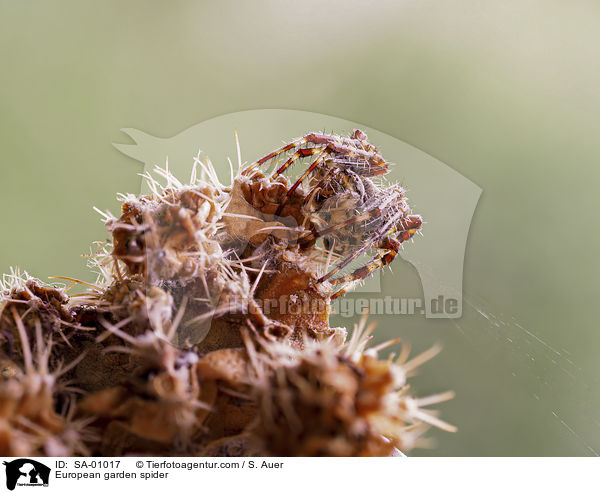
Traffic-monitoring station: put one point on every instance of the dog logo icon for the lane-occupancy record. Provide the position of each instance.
(26, 472)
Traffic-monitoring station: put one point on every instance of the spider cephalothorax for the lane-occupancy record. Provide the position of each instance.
(354, 214)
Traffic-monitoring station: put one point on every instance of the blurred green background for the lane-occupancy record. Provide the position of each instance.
(507, 93)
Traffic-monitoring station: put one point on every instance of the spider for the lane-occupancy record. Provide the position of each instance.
(358, 215)
(353, 154)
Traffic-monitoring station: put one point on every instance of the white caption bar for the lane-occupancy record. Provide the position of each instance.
(309, 475)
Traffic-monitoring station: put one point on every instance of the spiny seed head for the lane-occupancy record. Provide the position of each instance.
(328, 401)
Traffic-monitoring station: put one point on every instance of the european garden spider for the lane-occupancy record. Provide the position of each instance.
(357, 215)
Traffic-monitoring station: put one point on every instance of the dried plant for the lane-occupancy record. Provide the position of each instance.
(207, 329)
(37, 402)
(326, 400)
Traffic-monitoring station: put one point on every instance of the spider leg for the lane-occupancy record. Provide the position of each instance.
(324, 232)
(299, 154)
(274, 154)
(350, 148)
(321, 158)
(392, 247)
(343, 263)
(338, 293)
(361, 138)
(359, 135)
(356, 147)
(324, 153)
(410, 226)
